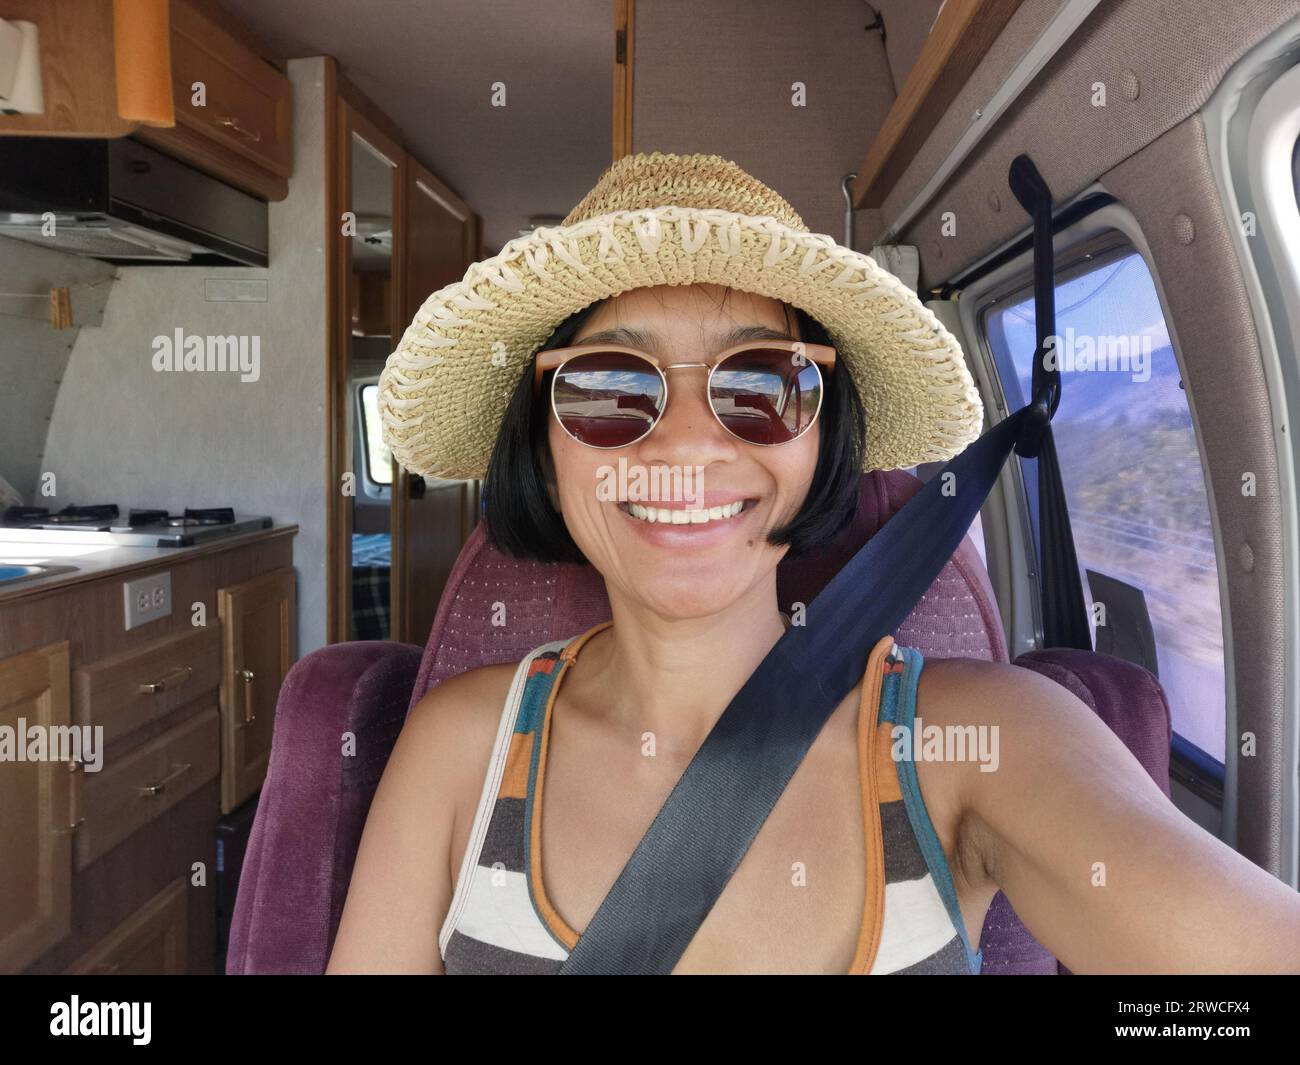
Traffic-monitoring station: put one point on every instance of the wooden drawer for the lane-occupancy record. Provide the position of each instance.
(152, 941)
(129, 689)
(140, 786)
(243, 132)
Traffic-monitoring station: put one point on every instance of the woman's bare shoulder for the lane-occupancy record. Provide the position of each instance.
(458, 718)
(430, 780)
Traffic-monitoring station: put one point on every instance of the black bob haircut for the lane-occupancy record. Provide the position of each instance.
(521, 521)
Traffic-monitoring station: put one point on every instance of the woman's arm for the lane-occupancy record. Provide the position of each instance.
(402, 882)
(1102, 868)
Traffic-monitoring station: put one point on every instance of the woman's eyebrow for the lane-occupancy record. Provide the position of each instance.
(640, 338)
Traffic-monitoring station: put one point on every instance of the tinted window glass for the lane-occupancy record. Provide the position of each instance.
(1131, 471)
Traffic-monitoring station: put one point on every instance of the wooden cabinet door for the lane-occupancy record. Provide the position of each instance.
(431, 521)
(153, 941)
(37, 807)
(257, 619)
(239, 125)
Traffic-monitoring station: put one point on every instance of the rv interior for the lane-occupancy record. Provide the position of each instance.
(219, 217)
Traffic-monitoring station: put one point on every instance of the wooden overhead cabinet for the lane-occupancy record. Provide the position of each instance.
(234, 110)
(78, 82)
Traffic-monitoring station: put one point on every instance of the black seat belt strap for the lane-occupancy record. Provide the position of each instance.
(705, 827)
(1064, 616)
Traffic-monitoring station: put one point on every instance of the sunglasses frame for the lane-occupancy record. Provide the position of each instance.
(817, 356)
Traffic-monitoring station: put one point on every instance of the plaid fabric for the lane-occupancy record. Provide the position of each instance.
(370, 602)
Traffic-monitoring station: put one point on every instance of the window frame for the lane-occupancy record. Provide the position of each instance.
(1251, 121)
(376, 491)
(1109, 230)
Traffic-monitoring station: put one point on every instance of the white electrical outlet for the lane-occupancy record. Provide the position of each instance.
(148, 598)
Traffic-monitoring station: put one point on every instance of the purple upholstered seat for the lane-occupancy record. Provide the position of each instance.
(314, 802)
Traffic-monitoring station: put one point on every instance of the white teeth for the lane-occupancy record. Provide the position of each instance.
(664, 516)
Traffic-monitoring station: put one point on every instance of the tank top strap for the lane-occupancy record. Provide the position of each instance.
(897, 743)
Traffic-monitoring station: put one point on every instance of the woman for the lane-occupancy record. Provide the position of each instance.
(666, 304)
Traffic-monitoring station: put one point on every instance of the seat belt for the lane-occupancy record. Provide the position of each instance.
(1064, 615)
(710, 819)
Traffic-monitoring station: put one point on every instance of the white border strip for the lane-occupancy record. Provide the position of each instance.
(1243, 121)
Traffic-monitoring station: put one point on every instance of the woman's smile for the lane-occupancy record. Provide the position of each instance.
(681, 524)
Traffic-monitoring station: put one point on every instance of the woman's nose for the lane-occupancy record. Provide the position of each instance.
(687, 429)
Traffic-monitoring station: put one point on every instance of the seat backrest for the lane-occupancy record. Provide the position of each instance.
(957, 617)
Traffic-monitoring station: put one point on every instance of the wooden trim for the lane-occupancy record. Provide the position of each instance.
(367, 108)
(624, 25)
(337, 313)
(961, 37)
(347, 112)
(419, 180)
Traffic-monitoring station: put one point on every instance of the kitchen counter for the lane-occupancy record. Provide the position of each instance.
(94, 562)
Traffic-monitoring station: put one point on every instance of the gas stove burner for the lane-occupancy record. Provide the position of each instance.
(137, 518)
(204, 516)
(191, 517)
(74, 515)
(20, 515)
(143, 527)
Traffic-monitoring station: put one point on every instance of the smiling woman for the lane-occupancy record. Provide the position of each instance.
(874, 858)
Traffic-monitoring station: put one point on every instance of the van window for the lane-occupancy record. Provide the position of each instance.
(1131, 470)
(379, 460)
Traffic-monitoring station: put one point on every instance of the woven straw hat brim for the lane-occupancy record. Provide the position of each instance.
(444, 390)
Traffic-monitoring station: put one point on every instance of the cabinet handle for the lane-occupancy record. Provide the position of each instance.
(249, 716)
(74, 803)
(231, 123)
(169, 682)
(150, 790)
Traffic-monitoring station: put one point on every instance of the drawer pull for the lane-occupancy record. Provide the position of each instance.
(231, 123)
(249, 716)
(171, 681)
(150, 790)
(75, 820)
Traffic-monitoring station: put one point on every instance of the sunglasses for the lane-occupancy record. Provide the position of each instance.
(764, 392)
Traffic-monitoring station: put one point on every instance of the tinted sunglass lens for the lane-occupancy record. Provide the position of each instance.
(607, 399)
(766, 395)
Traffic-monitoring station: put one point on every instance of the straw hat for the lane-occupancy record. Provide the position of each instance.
(663, 219)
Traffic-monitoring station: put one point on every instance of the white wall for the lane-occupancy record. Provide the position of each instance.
(122, 432)
(34, 355)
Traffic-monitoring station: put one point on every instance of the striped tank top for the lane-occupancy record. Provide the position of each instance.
(501, 922)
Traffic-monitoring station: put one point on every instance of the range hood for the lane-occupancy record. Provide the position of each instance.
(122, 201)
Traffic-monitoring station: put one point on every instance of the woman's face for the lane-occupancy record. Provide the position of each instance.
(695, 569)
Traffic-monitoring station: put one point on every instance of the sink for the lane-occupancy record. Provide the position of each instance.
(12, 572)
